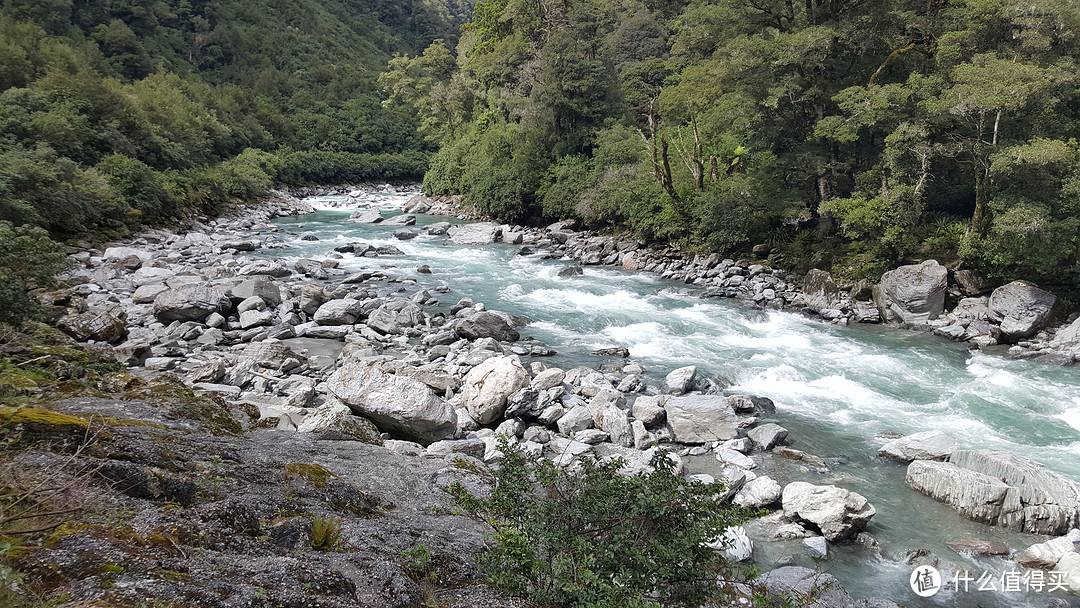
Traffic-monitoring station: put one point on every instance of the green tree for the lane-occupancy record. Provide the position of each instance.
(28, 260)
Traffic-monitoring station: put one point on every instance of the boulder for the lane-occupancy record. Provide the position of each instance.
(1001, 489)
(474, 234)
(837, 513)
(912, 294)
(648, 410)
(486, 325)
(487, 387)
(927, 445)
(267, 290)
(613, 421)
(1067, 338)
(767, 436)
(366, 216)
(1021, 308)
(977, 546)
(338, 312)
(394, 315)
(335, 421)
(816, 547)
(403, 219)
(824, 588)
(757, 493)
(820, 292)
(735, 544)
(93, 325)
(549, 378)
(192, 302)
(701, 419)
(254, 318)
(396, 404)
(1069, 567)
(577, 418)
(680, 380)
(268, 354)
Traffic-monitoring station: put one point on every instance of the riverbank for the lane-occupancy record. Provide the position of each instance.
(415, 344)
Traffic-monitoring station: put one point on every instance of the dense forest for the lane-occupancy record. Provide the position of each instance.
(844, 134)
(119, 112)
(852, 135)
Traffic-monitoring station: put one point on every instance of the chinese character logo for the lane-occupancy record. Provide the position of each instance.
(925, 581)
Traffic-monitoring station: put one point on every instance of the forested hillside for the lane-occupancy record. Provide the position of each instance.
(847, 133)
(116, 112)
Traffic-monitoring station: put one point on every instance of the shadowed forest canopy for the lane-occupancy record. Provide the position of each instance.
(844, 134)
(114, 112)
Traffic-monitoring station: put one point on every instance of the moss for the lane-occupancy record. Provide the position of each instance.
(119, 381)
(315, 475)
(40, 417)
(181, 402)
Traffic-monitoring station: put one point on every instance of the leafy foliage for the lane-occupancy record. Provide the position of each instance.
(28, 259)
(595, 537)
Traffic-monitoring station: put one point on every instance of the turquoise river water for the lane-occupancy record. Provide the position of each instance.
(836, 388)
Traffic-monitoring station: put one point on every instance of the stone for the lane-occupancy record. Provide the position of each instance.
(403, 219)
(839, 514)
(193, 302)
(643, 439)
(613, 421)
(335, 421)
(680, 380)
(577, 418)
(824, 588)
(977, 546)
(486, 325)
(1021, 309)
(394, 316)
(312, 296)
(474, 234)
(145, 294)
(1045, 555)
(648, 410)
(93, 325)
(701, 419)
(926, 445)
(268, 291)
(255, 318)
(252, 303)
(366, 216)
(1069, 566)
(819, 291)
(1002, 489)
(816, 547)
(767, 436)
(912, 294)
(735, 544)
(757, 493)
(1068, 337)
(549, 378)
(970, 283)
(571, 271)
(736, 459)
(399, 405)
(271, 355)
(338, 312)
(449, 447)
(487, 387)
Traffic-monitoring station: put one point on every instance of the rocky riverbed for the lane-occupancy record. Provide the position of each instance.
(373, 357)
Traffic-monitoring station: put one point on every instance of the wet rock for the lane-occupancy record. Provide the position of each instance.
(486, 325)
(1045, 555)
(571, 271)
(735, 544)
(767, 436)
(488, 386)
(474, 234)
(926, 445)
(403, 219)
(820, 291)
(1021, 309)
(193, 302)
(405, 234)
(1001, 489)
(93, 325)
(396, 404)
(799, 582)
(366, 216)
(680, 380)
(912, 294)
(977, 546)
(1069, 566)
(701, 419)
(837, 513)
(617, 351)
(816, 547)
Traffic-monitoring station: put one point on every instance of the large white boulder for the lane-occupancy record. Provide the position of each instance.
(487, 387)
(912, 294)
(839, 514)
(701, 419)
(927, 445)
(1021, 308)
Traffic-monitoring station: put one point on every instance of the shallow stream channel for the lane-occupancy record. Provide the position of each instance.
(838, 390)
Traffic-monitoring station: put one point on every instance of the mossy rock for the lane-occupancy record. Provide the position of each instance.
(31, 424)
(314, 475)
(182, 403)
(117, 382)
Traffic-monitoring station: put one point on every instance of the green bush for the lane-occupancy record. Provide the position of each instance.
(28, 259)
(595, 537)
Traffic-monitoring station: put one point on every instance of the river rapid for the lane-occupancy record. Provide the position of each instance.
(837, 389)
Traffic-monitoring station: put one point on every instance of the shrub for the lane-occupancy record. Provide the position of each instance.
(28, 259)
(595, 537)
(325, 533)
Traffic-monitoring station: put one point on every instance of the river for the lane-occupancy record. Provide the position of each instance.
(836, 388)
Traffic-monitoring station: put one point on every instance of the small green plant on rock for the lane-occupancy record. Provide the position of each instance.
(590, 536)
(325, 533)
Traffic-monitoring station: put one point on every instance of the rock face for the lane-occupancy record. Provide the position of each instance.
(912, 294)
(927, 445)
(192, 302)
(824, 588)
(335, 421)
(488, 386)
(474, 234)
(487, 325)
(837, 513)
(820, 291)
(1021, 308)
(701, 419)
(1000, 489)
(91, 325)
(396, 404)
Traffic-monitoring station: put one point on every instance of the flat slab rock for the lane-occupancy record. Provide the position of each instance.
(702, 419)
(1001, 489)
(927, 445)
